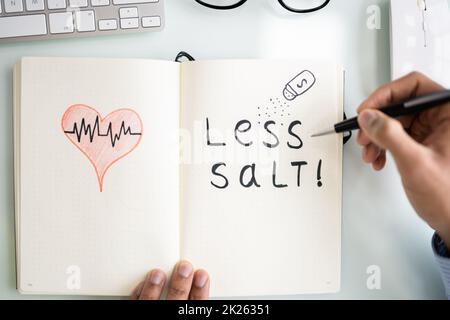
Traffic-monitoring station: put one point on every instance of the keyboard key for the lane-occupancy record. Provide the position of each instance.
(85, 21)
(20, 26)
(151, 22)
(110, 24)
(34, 5)
(56, 4)
(130, 23)
(119, 2)
(99, 3)
(13, 6)
(78, 3)
(128, 12)
(61, 22)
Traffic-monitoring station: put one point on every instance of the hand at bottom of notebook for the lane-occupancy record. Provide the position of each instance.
(185, 283)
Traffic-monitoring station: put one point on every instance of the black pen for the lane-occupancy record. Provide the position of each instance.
(414, 105)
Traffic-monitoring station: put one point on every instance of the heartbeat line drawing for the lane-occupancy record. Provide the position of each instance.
(104, 141)
(91, 132)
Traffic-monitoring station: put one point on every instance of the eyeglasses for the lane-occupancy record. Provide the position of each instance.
(297, 6)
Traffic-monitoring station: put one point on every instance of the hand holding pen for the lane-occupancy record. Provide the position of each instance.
(419, 144)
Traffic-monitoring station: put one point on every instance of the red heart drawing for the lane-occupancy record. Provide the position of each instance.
(104, 141)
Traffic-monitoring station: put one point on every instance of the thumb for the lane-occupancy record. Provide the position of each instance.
(388, 133)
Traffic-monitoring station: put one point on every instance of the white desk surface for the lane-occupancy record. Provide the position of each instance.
(379, 226)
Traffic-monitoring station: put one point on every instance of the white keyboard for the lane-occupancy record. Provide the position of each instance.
(48, 19)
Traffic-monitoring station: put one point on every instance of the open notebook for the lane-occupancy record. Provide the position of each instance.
(126, 165)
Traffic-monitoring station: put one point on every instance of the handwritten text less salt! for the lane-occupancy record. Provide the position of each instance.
(244, 126)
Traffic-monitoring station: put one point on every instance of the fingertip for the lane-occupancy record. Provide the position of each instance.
(184, 268)
(363, 154)
(370, 153)
(156, 277)
(380, 162)
(153, 285)
(201, 277)
(377, 166)
(181, 281)
(200, 285)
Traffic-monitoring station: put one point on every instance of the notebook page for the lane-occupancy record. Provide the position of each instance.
(262, 213)
(98, 205)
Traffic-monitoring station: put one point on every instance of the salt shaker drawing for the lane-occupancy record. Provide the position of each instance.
(299, 85)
